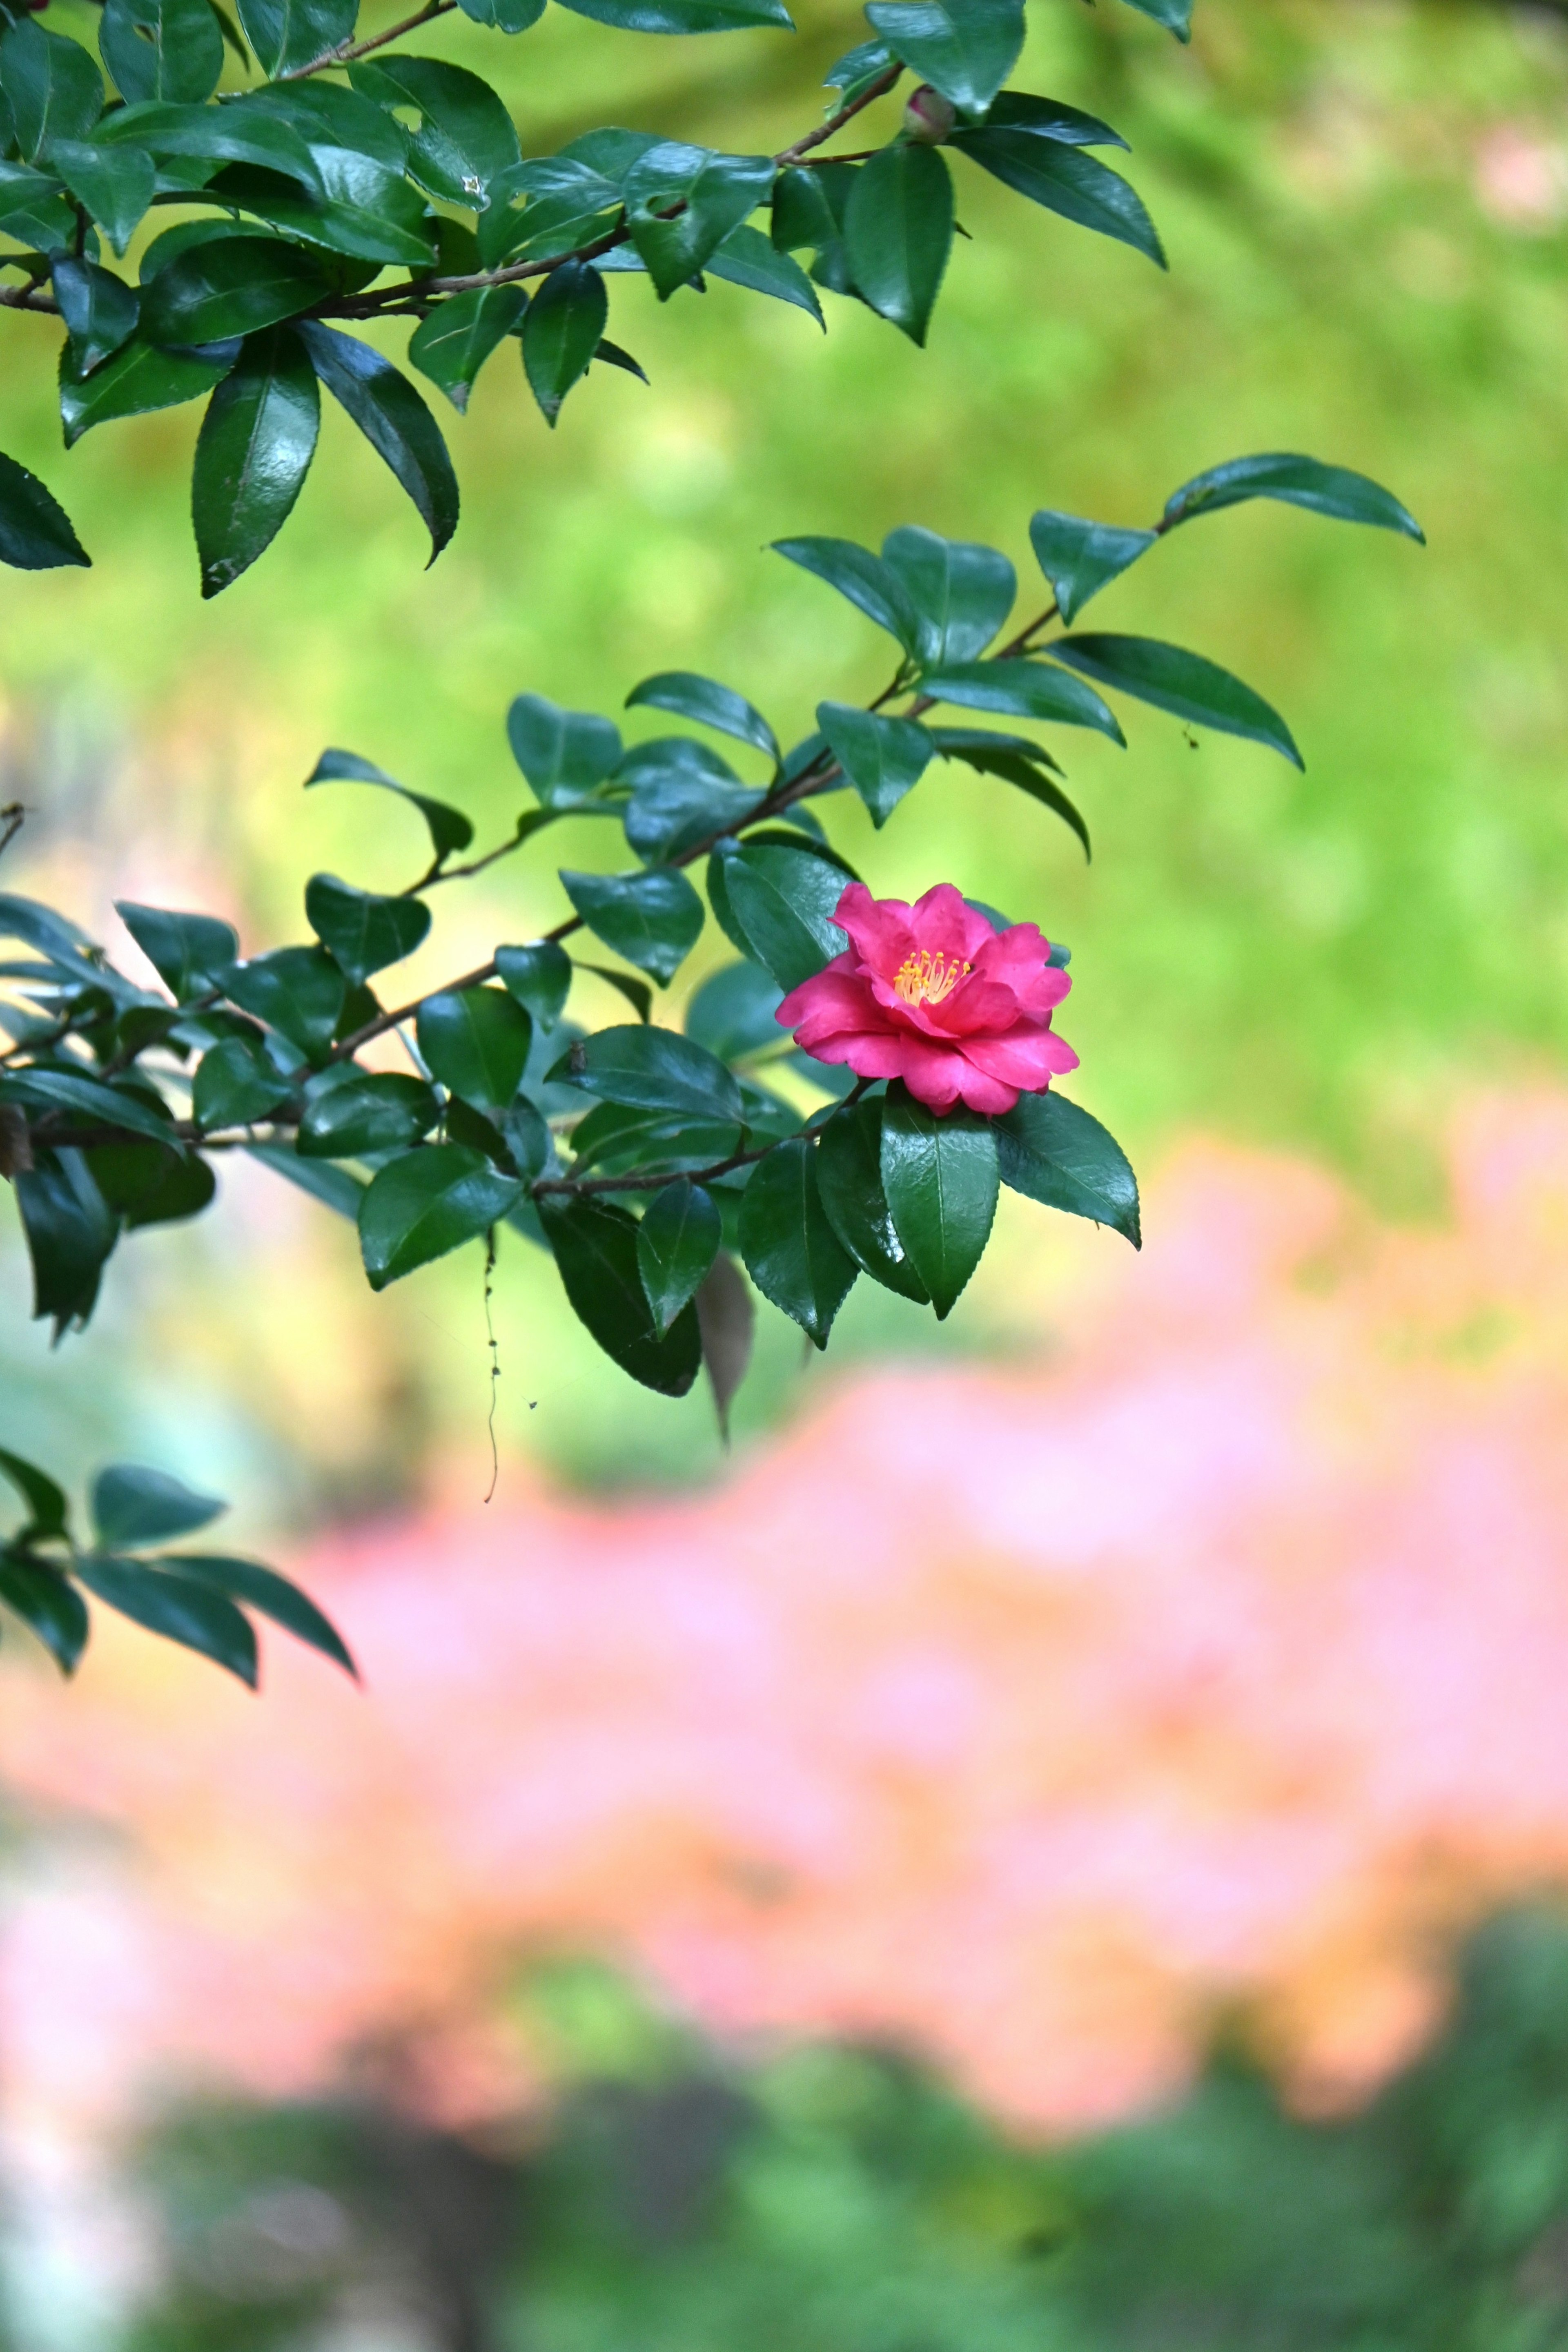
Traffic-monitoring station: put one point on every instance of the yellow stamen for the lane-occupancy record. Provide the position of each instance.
(927, 977)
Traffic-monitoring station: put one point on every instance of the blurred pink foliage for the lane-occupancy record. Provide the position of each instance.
(1031, 1716)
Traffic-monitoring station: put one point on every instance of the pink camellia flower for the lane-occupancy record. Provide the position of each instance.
(932, 995)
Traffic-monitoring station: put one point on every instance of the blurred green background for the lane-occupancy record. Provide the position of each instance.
(1309, 961)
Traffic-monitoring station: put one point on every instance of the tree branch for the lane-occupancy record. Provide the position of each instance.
(347, 52)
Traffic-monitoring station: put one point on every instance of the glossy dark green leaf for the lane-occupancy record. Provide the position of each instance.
(791, 1252)
(849, 1177)
(652, 919)
(35, 533)
(240, 132)
(965, 49)
(475, 1041)
(50, 1606)
(1176, 16)
(132, 1507)
(683, 201)
(466, 136)
(69, 1233)
(449, 829)
(287, 34)
(231, 285)
(275, 1596)
(781, 901)
(453, 343)
(1080, 558)
(1298, 481)
(569, 204)
(364, 209)
(364, 932)
(99, 309)
(168, 49)
(595, 1246)
(702, 698)
(540, 977)
(394, 419)
(617, 1138)
(1050, 118)
(898, 232)
(235, 1084)
(48, 1512)
(961, 592)
(883, 758)
(506, 16)
(137, 379)
(684, 15)
(683, 808)
(802, 214)
(677, 1243)
(177, 1607)
(1195, 689)
(565, 755)
(427, 1202)
(655, 1069)
(381, 1111)
(732, 1013)
(299, 992)
(190, 954)
(561, 332)
(1065, 180)
(328, 117)
(54, 88)
(1021, 689)
(152, 1184)
(861, 576)
(746, 258)
(1022, 768)
(83, 1100)
(1054, 1152)
(253, 453)
(941, 1181)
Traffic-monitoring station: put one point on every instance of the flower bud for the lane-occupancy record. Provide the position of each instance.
(928, 116)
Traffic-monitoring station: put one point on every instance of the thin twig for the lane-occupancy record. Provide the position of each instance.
(347, 52)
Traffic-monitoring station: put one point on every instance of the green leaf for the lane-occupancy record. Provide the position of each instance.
(54, 88)
(52, 1607)
(31, 210)
(1053, 1152)
(506, 16)
(138, 379)
(565, 755)
(849, 1177)
(727, 1320)
(595, 1246)
(561, 332)
(453, 343)
(802, 214)
(177, 1607)
(1020, 768)
(394, 419)
(652, 919)
(151, 1183)
(475, 1041)
(235, 1084)
(1329, 490)
(714, 193)
(289, 34)
(732, 1013)
(702, 698)
(1021, 689)
(965, 49)
(90, 1098)
(244, 132)
(299, 992)
(682, 806)
(864, 578)
(232, 286)
(790, 1249)
(364, 932)
(684, 15)
(365, 209)
(1065, 180)
(449, 829)
(35, 533)
(135, 1506)
(169, 49)
(335, 1188)
(47, 1509)
(782, 901)
(381, 1112)
(858, 67)
(1186, 684)
(569, 204)
(677, 1243)
(1050, 118)
(883, 758)
(540, 977)
(190, 954)
(272, 1595)
(330, 119)
(655, 1069)
(466, 136)
(898, 232)
(1080, 558)
(961, 592)
(431, 1200)
(99, 309)
(69, 1233)
(941, 1181)
(253, 453)
(746, 258)
(1176, 16)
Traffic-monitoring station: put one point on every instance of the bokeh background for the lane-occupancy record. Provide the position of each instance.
(1056, 1838)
